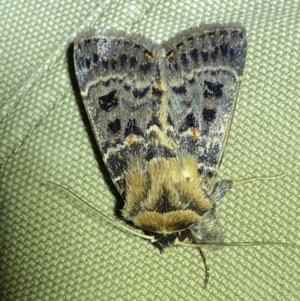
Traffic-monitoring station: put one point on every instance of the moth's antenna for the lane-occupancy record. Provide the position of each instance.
(223, 244)
(232, 244)
(235, 183)
(149, 237)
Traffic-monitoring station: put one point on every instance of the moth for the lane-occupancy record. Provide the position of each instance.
(161, 115)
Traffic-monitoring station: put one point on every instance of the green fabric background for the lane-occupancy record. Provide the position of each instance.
(53, 247)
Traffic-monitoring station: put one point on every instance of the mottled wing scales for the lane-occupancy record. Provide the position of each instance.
(118, 76)
(203, 68)
(187, 89)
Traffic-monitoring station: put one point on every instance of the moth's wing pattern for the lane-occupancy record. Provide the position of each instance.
(118, 77)
(203, 68)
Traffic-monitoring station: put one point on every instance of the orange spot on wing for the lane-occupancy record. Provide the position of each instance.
(149, 55)
(159, 86)
(169, 55)
(129, 139)
(119, 156)
(207, 178)
(194, 133)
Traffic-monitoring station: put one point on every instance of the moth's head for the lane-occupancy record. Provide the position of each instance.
(167, 242)
(166, 226)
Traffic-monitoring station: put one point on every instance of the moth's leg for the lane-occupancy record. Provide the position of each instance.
(206, 267)
(208, 230)
(220, 190)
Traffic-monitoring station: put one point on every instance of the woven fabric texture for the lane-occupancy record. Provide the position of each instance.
(53, 247)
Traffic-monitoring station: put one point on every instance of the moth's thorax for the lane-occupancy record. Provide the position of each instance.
(164, 195)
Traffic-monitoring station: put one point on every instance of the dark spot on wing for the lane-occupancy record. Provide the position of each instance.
(213, 89)
(174, 67)
(157, 92)
(214, 53)
(106, 84)
(132, 128)
(113, 63)
(87, 42)
(145, 66)
(184, 59)
(224, 49)
(140, 93)
(179, 89)
(190, 39)
(210, 156)
(116, 166)
(123, 59)
(114, 126)
(126, 87)
(154, 121)
(96, 59)
(132, 62)
(121, 183)
(209, 115)
(192, 80)
(179, 45)
(190, 121)
(87, 63)
(105, 64)
(170, 121)
(109, 101)
(204, 54)
(194, 54)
